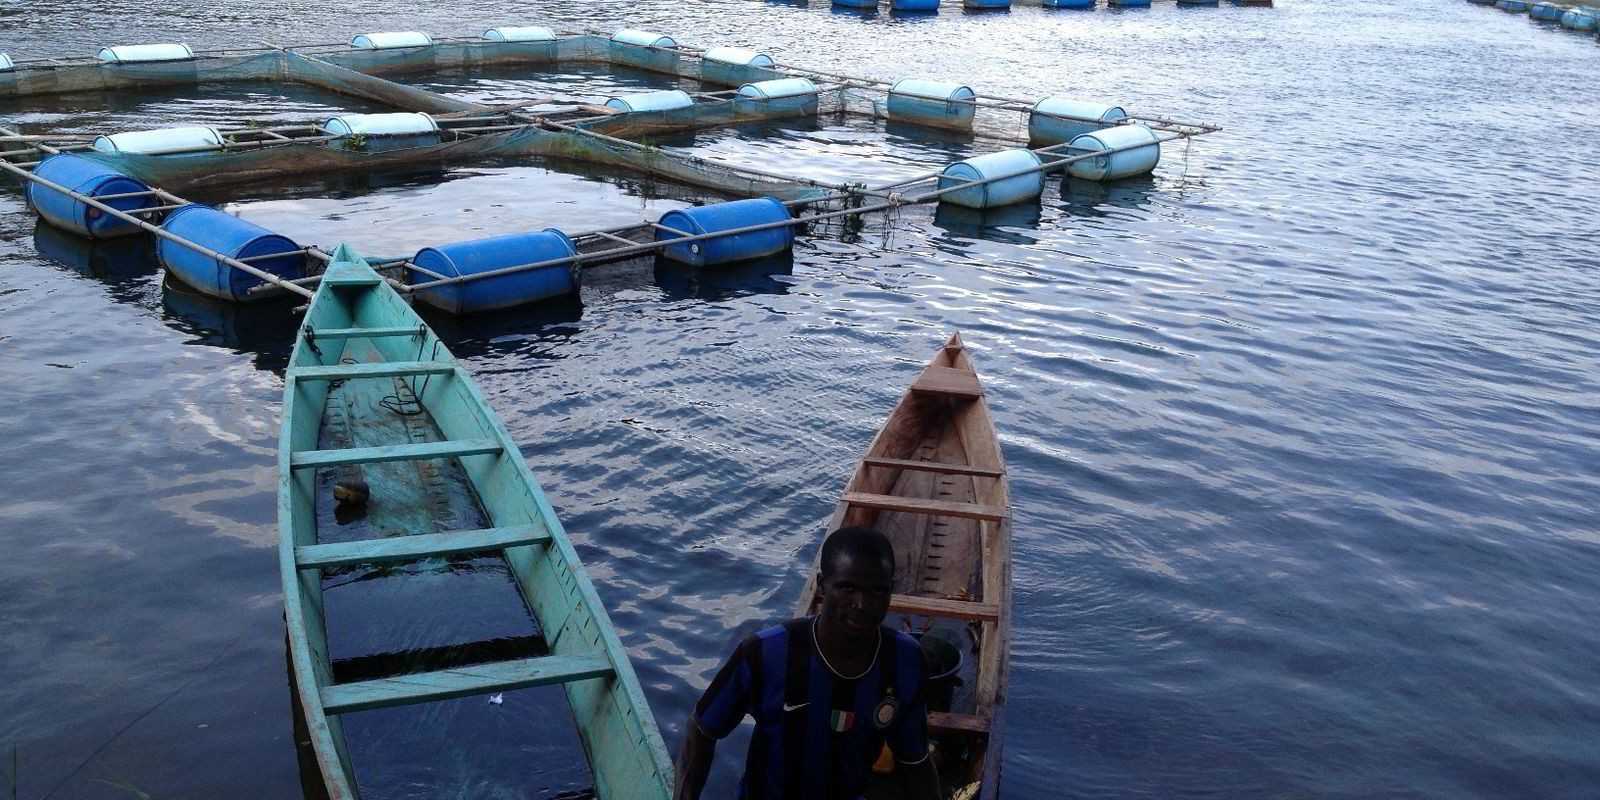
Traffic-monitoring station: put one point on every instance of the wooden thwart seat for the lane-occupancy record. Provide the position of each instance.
(384, 369)
(307, 459)
(427, 687)
(944, 722)
(939, 607)
(422, 545)
(947, 381)
(358, 333)
(934, 466)
(917, 505)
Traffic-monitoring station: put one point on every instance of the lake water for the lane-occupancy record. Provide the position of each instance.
(1303, 431)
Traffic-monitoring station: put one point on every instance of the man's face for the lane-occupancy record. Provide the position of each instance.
(855, 596)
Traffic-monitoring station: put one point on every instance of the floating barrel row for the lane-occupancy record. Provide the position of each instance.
(933, 5)
(1584, 19)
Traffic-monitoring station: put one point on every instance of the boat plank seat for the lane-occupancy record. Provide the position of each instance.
(421, 451)
(947, 381)
(358, 333)
(944, 722)
(939, 607)
(385, 369)
(427, 687)
(418, 546)
(918, 505)
(934, 466)
(350, 280)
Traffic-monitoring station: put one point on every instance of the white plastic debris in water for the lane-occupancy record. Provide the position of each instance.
(497, 698)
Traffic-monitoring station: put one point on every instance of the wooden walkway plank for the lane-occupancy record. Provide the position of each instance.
(427, 687)
(418, 546)
(307, 459)
(917, 505)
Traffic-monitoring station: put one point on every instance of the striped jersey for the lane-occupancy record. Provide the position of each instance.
(817, 733)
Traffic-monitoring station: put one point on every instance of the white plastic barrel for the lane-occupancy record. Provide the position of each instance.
(780, 97)
(738, 56)
(161, 140)
(398, 122)
(1142, 156)
(519, 33)
(1015, 173)
(127, 53)
(391, 39)
(940, 103)
(5, 61)
(664, 100)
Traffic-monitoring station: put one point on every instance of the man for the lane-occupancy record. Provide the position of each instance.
(827, 692)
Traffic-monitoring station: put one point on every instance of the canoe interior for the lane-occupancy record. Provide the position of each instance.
(943, 424)
(352, 625)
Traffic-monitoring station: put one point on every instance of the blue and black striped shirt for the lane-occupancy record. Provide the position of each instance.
(817, 733)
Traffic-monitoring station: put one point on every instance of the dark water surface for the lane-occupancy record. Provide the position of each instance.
(1303, 430)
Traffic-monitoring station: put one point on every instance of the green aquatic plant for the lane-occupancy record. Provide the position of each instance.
(356, 141)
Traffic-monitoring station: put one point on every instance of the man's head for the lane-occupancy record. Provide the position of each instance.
(857, 579)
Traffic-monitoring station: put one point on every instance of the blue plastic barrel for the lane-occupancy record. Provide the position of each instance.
(1055, 120)
(232, 237)
(732, 66)
(1581, 19)
(664, 100)
(1017, 171)
(92, 179)
(914, 5)
(986, 5)
(499, 252)
(1198, 3)
(938, 103)
(856, 3)
(1129, 3)
(726, 217)
(1514, 6)
(783, 97)
(1142, 156)
(1546, 12)
(1069, 3)
(645, 50)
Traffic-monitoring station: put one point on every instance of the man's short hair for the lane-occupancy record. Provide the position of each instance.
(857, 542)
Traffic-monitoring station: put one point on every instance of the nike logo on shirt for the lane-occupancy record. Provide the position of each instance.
(787, 707)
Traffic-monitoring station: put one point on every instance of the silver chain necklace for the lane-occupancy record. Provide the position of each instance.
(815, 642)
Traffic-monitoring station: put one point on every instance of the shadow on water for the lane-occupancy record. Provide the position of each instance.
(265, 329)
(473, 335)
(725, 281)
(121, 264)
(992, 224)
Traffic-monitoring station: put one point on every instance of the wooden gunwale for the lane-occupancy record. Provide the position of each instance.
(626, 755)
(943, 412)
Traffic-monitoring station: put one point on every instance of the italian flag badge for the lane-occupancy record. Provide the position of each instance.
(842, 721)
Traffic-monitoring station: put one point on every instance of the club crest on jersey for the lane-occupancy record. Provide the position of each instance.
(883, 714)
(842, 721)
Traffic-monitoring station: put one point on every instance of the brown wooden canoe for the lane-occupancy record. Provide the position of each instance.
(934, 482)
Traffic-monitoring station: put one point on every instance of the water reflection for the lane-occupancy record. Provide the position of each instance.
(1093, 198)
(263, 330)
(726, 281)
(993, 224)
(120, 263)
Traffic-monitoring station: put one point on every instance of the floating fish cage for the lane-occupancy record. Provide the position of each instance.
(107, 189)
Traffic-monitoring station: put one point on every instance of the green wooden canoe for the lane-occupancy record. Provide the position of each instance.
(360, 341)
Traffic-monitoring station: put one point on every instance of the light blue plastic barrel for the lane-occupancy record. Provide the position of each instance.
(1069, 3)
(5, 62)
(232, 237)
(1514, 6)
(645, 50)
(389, 40)
(1546, 12)
(519, 33)
(90, 178)
(135, 53)
(499, 252)
(783, 97)
(384, 132)
(914, 5)
(1142, 156)
(1055, 120)
(1581, 19)
(726, 217)
(1017, 174)
(190, 139)
(939, 103)
(732, 66)
(664, 100)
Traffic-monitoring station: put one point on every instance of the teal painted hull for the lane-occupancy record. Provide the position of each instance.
(362, 347)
